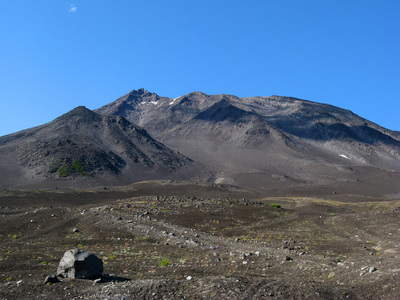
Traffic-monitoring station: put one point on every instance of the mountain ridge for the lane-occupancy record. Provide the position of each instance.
(252, 142)
(285, 137)
(83, 145)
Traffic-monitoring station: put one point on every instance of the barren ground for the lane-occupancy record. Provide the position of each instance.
(162, 240)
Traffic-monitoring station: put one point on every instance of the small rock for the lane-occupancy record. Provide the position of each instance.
(51, 279)
(19, 282)
(372, 269)
(75, 229)
(189, 278)
(288, 258)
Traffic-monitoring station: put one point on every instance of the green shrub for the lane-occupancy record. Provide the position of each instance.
(78, 166)
(275, 205)
(165, 262)
(64, 171)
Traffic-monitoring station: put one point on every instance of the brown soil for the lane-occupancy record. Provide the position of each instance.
(162, 240)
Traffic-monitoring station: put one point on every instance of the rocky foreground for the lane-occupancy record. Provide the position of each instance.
(173, 241)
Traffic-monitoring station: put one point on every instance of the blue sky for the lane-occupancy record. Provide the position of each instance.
(56, 55)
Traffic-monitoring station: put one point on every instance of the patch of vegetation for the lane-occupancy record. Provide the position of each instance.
(77, 166)
(64, 171)
(165, 262)
(112, 256)
(275, 205)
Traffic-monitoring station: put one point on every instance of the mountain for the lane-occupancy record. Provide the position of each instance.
(264, 142)
(258, 143)
(82, 147)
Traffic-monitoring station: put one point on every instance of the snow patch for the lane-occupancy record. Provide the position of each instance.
(154, 102)
(342, 155)
(173, 100)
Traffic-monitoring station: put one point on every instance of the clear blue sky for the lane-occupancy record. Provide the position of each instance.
(56, 55)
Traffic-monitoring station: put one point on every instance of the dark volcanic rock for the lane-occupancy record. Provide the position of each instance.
(82, 144)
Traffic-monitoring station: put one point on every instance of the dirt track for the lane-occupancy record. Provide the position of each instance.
(166, 241)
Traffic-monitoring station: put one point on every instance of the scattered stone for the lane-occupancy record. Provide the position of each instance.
(51, 279)
(372, 269)
(80, 264)
(98, 280)
(75, 229)
(19, 282)
(257, 253)
(288, 258)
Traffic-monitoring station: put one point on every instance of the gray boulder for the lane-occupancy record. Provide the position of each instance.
(80, 264)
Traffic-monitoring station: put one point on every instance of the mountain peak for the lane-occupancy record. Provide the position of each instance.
(80, 112)
(139, 92)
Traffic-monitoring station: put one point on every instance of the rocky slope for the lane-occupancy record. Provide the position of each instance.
(266, 140)
(258, 143)
(82, 146)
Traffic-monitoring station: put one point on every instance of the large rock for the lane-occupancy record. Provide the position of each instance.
(80, 264)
